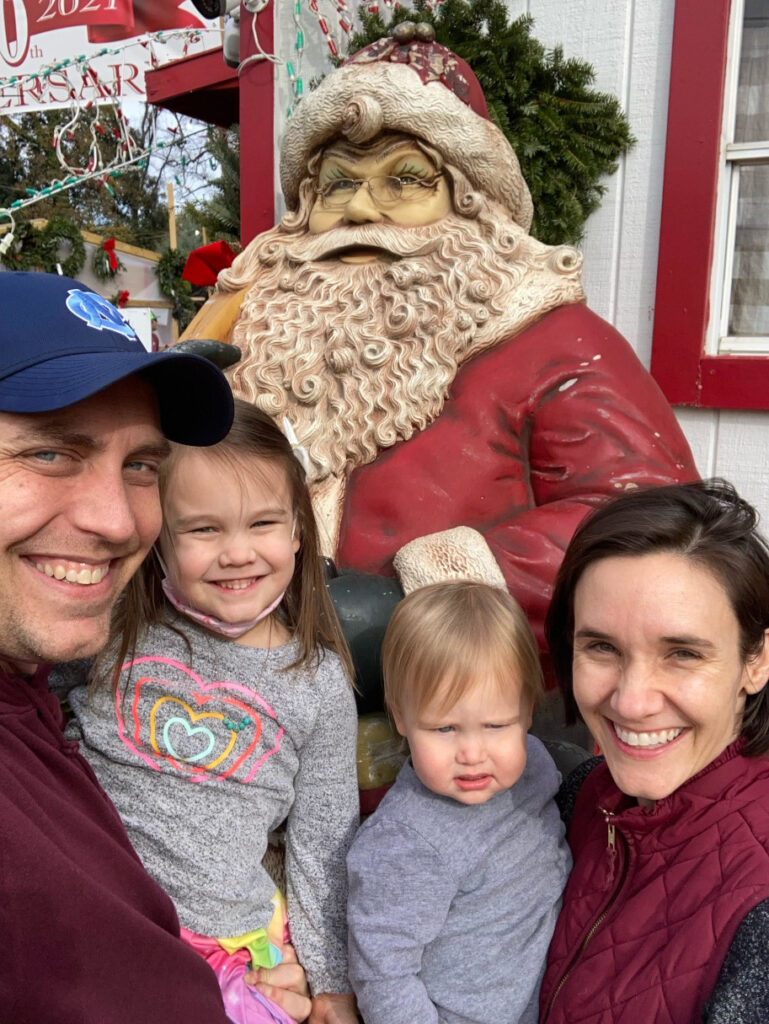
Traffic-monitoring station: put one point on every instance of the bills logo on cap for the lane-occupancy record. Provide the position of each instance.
(98, 313)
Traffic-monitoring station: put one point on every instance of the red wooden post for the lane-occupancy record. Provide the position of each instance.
(257, 148)
(689, 197)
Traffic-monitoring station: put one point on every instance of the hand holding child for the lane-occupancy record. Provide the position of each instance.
(334, 1008)
(285, 985)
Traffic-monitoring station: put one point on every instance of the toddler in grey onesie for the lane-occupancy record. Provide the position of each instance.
(455, 881)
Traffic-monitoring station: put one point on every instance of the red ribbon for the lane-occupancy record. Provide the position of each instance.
(108, 245)
(122, 299)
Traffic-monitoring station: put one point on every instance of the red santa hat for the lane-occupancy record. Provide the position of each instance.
(408, 83)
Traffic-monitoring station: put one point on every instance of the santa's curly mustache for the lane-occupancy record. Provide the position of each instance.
(398, 242)
(360, 356)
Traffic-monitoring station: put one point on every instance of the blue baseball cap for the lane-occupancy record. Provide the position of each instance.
(60, 342)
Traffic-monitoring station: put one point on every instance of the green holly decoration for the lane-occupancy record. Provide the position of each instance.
(101, 265)
(169, 274)
(23, 253)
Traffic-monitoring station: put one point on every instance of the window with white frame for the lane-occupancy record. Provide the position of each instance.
(740, 310)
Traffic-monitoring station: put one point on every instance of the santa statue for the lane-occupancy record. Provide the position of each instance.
(460, 406)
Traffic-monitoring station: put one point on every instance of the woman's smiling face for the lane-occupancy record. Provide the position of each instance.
(658, 673)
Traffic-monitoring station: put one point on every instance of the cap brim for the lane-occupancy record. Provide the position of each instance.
(194, 396)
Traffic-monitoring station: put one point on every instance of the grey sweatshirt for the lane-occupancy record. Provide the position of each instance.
(452, 906)
(202, 762)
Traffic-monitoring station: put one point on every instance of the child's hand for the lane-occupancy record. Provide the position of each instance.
(334, 1008)
(286, 985)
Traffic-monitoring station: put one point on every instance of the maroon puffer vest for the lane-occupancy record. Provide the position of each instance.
(656, 896)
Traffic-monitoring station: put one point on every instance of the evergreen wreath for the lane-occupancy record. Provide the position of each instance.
(169, 274)
(61, 232)
(23, 253)
(102, 265)
(567, 135)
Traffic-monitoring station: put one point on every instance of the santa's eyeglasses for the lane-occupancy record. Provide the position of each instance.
(383, 189)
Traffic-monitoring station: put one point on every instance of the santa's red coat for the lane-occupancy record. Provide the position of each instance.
(535, 432)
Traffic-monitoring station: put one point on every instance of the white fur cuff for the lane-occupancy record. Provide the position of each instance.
(461, 553)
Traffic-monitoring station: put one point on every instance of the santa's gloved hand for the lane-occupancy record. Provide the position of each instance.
(364, 603)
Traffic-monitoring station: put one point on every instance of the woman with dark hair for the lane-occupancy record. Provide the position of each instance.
(658, 631)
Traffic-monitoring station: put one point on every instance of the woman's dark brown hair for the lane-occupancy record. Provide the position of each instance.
(706, 521)
(306, 608)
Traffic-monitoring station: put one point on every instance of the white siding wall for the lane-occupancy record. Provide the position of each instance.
(628, 42)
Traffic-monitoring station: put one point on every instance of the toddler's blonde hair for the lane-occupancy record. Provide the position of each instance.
(443, 636)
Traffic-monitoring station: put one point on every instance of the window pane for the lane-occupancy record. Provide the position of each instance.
(749, 312)
(752, 123)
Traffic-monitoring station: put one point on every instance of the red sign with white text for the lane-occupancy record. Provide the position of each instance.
(24, 19)
(35, 35)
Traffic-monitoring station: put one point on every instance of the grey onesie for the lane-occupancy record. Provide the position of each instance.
(452, 906)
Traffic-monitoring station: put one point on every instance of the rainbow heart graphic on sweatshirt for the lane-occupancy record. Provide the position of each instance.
(171, 717)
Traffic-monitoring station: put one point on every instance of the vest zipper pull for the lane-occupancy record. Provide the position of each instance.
(611, 843)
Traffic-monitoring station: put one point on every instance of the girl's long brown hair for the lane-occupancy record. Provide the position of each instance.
(306, 609)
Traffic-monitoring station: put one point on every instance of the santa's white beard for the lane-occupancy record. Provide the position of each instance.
(359, 356)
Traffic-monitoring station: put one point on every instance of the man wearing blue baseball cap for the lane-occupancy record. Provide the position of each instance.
(85, 419)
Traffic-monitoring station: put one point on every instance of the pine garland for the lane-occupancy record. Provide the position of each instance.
(567, 135)
(35, 249)
(23, 254)
(169, 274)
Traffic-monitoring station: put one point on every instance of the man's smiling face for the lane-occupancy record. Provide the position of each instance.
(80, 509)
